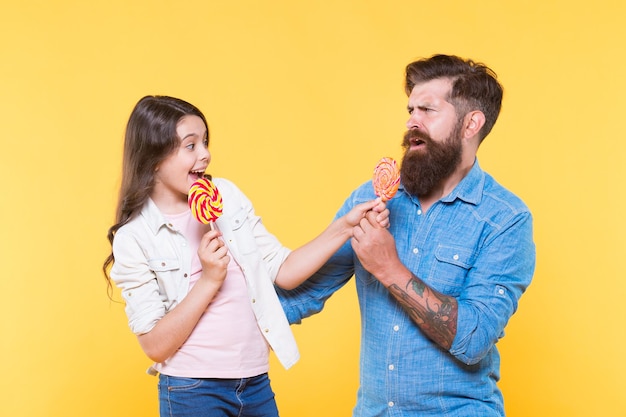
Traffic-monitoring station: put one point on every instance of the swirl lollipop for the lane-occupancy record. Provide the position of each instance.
(205, 201)
(386, 178)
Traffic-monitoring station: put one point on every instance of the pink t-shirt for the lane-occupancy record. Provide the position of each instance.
(226, 342)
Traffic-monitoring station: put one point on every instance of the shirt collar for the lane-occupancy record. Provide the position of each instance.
(470, 189)
(153, 216)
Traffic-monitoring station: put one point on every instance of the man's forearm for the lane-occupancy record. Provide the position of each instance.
(433, 312)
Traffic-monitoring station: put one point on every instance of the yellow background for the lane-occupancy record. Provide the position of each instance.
(302, 99)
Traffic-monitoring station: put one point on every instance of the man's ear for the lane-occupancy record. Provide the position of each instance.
(474, 121)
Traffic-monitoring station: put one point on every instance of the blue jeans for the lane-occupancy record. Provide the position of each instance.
(212, 397)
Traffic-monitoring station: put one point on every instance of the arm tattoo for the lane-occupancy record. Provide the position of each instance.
(433, 312)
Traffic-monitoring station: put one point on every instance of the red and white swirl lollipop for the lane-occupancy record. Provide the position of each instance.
(386, 178)
(205, 201)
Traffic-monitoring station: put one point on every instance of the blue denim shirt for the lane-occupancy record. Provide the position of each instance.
(474, 244)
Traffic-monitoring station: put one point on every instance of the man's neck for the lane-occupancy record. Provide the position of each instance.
(445, 187)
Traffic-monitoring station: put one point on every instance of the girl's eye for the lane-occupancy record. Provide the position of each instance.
(190, 146)
(206, 142)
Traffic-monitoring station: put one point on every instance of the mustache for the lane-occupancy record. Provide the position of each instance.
(415, 135)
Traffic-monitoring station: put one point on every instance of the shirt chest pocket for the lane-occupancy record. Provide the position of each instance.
(167, 272)
(163, 265)
(242, 232)
(170, 279)
(450, 268)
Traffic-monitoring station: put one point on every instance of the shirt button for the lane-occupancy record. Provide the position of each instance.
(267, 330)
(396, 328)
(390, 404)
(500, 291)
(162, 263)
(391, 367)
(455, 257)
(419, 212)
(253, 301)
(415, 250)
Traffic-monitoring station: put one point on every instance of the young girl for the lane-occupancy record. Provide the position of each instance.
(202, 302)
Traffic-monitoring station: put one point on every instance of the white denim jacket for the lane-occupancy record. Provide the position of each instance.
(153, 265)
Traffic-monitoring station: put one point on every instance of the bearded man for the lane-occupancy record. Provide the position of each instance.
(437, 288)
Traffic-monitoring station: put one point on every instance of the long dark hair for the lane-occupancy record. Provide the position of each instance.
(474, 85)
(150, 138)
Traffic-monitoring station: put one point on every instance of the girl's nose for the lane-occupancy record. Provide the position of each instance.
(205, 155)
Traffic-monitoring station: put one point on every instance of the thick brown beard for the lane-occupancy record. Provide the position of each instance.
(422, 171)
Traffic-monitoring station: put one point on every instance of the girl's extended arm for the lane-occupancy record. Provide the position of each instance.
(307, 259)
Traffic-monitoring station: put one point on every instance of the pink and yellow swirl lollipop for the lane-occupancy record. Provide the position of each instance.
(386, 178)
(205, 201)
